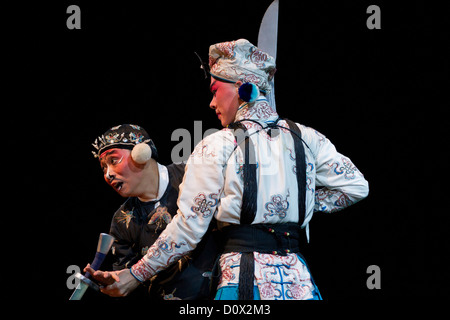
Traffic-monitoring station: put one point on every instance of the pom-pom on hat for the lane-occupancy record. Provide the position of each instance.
(127, 136)
(248, 92)
(240, 60)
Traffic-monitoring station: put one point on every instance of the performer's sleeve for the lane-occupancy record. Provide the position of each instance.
(339, 183)
(197, 202)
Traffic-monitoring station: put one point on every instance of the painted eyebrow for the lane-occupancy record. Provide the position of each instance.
(212, 84)
(107, 153)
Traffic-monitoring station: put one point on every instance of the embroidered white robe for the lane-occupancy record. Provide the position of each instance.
(213, 186)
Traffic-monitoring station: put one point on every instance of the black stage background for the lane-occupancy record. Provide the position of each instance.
(370, 91)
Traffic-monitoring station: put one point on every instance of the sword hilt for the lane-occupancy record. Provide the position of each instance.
(104, 245)
(98, 260)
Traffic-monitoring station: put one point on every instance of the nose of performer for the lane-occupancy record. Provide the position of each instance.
(212, 104)
(109, 175)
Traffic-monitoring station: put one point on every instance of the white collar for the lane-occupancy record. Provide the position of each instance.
(163, 180)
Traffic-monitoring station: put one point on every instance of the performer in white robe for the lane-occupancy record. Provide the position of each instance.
(213, 186)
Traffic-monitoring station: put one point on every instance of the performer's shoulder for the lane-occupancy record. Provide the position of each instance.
(219, 138)
(223, 133)
(312, 137)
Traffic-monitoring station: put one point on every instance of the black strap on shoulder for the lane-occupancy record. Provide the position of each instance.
(250, 195)
(300, 168)
(249, 204)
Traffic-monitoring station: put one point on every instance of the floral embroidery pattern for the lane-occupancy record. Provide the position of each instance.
(257, 56)
(202, 151)
(277, 277)
(322, 138)
(325, 197)
(282, 277)
(228, 262)
(113, 137)
(169, 247)
(260, 110)
(347, 168)
(309, 168)
(241, 60)
(277, 207)
(162, 245)
(227, 48)
(120, 135)
(204, 206)
(343, 201)
(136, 137)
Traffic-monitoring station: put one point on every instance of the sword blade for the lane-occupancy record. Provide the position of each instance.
(267, 42)
(79, 291)
(268, 30)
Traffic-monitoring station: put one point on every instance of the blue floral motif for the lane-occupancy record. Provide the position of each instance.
(277, 207)
(136, 137)
(203, 206)
(347, 168)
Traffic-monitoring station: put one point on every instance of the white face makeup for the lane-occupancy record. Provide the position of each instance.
(111, 161)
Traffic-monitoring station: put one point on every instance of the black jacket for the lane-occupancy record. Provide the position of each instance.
(136, 225)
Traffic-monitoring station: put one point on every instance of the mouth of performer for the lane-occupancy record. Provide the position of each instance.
(117, 185)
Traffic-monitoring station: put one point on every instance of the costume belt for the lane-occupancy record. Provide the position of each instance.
(280, 239)
(277, 239)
